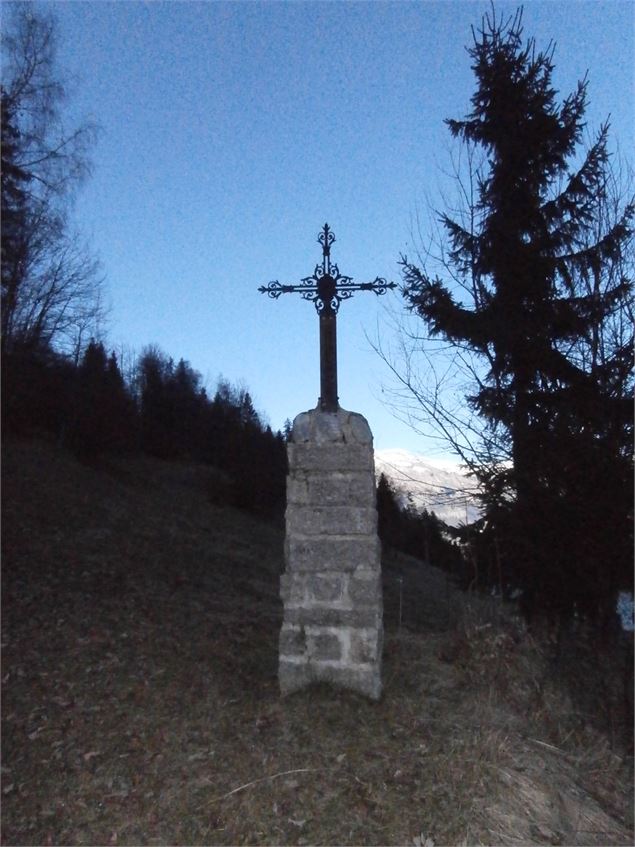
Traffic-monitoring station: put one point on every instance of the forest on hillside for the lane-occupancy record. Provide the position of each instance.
(162, 410)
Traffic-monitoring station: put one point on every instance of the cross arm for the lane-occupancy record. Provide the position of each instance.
(274, 289)
(378, 286)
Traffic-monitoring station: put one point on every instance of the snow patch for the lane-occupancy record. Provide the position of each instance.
(438, 485)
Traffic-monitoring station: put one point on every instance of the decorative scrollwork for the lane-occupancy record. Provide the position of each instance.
(326, 287)
(274, 289)
(326, 238)
(379, 286)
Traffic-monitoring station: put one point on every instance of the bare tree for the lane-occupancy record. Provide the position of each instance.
(52, 290)
(430, 378)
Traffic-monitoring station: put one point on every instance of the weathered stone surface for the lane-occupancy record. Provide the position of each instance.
(302, 427)
(292, 641)
(308, 587)
(359, 429)
(327, 428)
(331, 520)
(332, 628)
(330, 616)
(364, 587)
(331, 427)
(332, 489)
(340, 554)
(295, 675)
(326, 588)
(291, 588)
(365, 646)
(324, 646)
(330, 457)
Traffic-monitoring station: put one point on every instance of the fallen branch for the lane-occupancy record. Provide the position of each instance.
(548, 746)
(262, 779)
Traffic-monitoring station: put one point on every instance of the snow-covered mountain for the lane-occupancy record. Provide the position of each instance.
(433, 484)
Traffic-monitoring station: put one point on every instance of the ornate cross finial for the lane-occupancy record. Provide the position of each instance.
(326, 238)
(326, 288)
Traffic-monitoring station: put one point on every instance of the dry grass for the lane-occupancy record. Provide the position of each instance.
(140, 699)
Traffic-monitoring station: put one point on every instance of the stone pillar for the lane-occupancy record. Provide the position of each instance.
(332, 628)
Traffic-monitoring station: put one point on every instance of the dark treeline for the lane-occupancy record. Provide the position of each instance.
(161, 409)
(419, 534)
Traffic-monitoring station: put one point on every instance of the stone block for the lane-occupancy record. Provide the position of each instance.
(364, 589)
(293, 588)
(359, 429)
(325, 588)
(330, 457)
(331, 520)
(292, 641)
(293, 675)
(298, 490)
(332, 554)
(324, 646)
(331, 616)
(327, 429)
(365, 646)
(302, 427)
(338, 488)
(331, 427)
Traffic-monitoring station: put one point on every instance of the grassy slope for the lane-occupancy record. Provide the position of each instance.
(140, 703)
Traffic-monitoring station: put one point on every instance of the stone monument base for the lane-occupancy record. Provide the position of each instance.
(332, 628)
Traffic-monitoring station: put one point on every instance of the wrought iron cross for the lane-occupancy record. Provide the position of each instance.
(326, 288)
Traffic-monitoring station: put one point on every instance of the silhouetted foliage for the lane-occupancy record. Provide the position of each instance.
(172, 406)
(546, 271)
(105, 417)
(389, 515)
(164, 412)
(249, 451)
(14, 210)
(152, 372)
(287, 429)
(37, 390)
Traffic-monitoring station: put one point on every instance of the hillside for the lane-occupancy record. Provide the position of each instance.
(429, 484)
(140, 703)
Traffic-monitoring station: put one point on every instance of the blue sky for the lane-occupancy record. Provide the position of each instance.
(231, 132)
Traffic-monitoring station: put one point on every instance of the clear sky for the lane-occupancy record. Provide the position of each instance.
(231, 132)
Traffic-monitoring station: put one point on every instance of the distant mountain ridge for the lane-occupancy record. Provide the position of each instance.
(437, 485)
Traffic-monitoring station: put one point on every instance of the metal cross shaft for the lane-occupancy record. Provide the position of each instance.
(326, 288)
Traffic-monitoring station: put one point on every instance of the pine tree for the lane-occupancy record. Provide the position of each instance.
(104, 417)
(389, 515)
(154, 374)
(527, 262)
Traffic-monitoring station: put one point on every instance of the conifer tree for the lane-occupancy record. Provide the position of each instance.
(104, 416)
(535, 245)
